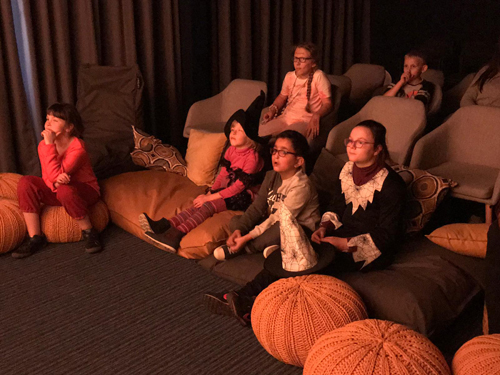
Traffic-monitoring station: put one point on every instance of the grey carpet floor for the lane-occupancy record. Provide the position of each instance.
(132, 309)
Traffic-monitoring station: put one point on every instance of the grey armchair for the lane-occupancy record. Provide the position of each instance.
(404, 120)
(466, 149)
(211, 114)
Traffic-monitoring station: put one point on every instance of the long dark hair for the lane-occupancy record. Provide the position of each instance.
(493, 67)
(68, 113)
(379, 134)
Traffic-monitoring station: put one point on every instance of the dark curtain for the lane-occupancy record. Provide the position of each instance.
(67, 33)
(253, 39)
(17, 140)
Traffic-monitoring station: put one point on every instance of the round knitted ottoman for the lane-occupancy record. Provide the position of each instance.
(58, 226)
(12, 226)
(291, 314)
(375, 347)
(8, 185)
(479, 356)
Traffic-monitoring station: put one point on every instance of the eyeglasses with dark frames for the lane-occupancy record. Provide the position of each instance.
(281, 153)
(356, 144)
(301, 59)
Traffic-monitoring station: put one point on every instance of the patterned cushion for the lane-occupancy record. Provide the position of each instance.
(425, 192)
(151, 153)
(375, 347)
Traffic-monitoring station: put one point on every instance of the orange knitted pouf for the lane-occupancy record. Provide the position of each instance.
(291, 314)
(12, 225)
(58, 226)
(8, 185)
(375, 347)
(479, 356)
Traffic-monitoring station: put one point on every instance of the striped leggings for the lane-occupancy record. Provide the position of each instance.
(189, 219)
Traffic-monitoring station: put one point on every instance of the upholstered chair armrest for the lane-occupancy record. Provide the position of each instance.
(431, 150)
(205, 111)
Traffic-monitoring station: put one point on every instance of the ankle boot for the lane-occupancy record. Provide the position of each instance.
(30, 246)
(92, 242)
(169, 241)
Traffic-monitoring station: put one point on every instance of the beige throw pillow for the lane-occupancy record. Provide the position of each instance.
(202, 156)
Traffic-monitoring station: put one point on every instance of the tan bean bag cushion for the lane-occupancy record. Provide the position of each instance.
(59, 227)
(163, 194)
(465, 239)
(479, 356)
(12, 225)
(8, 185)
(375, 347)
(291, 314)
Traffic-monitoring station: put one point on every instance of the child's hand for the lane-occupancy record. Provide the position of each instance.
(405, 77)
(48, 137)
(312, 130)
(269, 115)
(199, 200)
(239, 243)
(63, 179)
(339, 243)
(231, 240)
(318, 235)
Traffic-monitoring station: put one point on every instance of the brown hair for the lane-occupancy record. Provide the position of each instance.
(313, 50)
(68, 113)
(417, 53)
(379, 134)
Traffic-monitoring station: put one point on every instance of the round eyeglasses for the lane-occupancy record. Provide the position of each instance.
(356, 144)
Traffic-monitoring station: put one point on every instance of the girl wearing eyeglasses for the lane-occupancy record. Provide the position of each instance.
(305, 97)
(364, 220)
(258, 229)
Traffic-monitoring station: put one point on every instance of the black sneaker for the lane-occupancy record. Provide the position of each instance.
(92, 242)
(169, 241)
(223, 253)
(240, 308)
(155, 226)
(217, 303)
(30, 246)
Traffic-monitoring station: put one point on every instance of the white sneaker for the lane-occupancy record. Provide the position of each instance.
(269, 250)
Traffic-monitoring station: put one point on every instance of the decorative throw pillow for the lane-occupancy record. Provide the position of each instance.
(425, 192)
(150, 153)
(202, 156)
(466, 239)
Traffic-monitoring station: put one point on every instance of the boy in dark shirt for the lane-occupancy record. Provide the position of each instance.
(411, 84)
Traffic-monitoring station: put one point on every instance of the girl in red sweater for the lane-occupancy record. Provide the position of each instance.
(67, 180)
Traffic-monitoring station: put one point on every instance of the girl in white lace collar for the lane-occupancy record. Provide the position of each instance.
(365, 217)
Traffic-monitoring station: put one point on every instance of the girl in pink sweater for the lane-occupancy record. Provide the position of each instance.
(232, 189)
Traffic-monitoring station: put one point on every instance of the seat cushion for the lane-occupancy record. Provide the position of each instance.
(163, 194)
(426, 288)
(474, 181)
